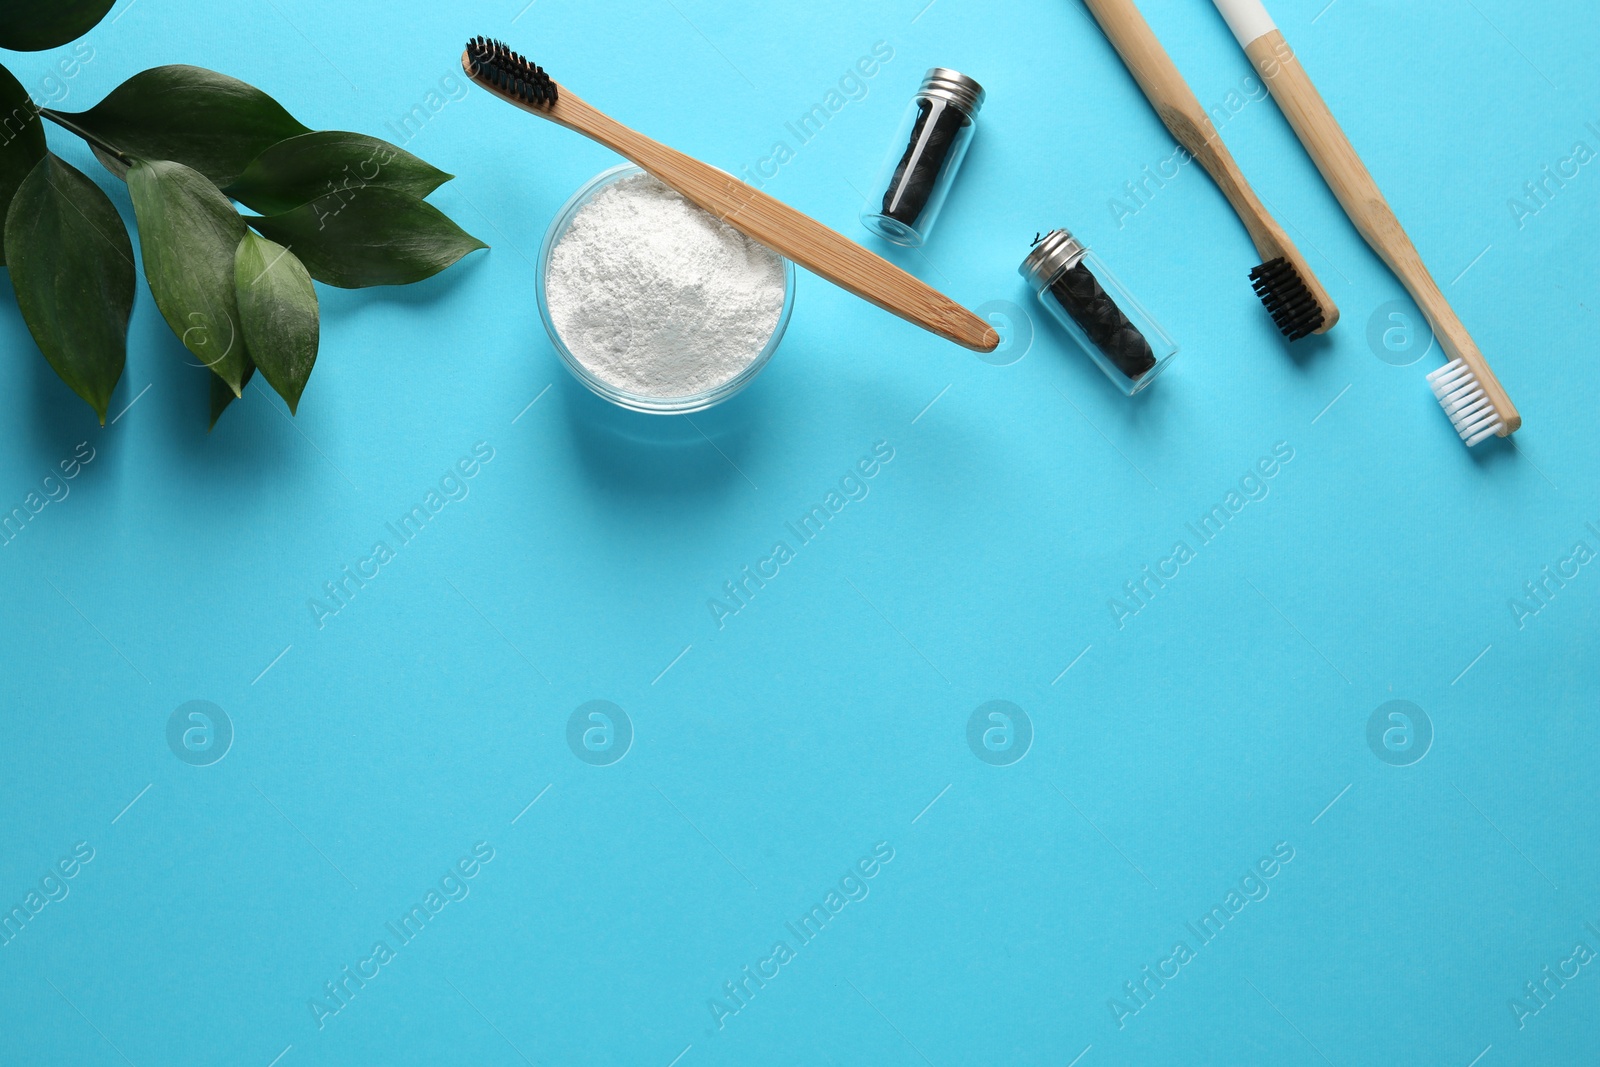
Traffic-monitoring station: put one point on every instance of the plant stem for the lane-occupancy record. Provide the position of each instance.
(67, 124)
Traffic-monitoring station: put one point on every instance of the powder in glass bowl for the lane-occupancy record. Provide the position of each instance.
(658, 297)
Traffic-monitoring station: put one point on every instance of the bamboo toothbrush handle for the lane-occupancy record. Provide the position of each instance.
(1187, 120)
(780, 227)
(1363, 202)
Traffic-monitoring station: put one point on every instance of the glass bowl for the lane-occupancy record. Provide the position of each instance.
(656, 405)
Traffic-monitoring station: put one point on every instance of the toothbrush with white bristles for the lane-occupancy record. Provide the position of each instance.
(1465, 386)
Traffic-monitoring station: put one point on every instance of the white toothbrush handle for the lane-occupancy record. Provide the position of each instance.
(1363, 202)
(1247, 19)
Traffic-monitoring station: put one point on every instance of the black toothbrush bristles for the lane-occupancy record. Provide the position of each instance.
(496, 65)
(1293, 308)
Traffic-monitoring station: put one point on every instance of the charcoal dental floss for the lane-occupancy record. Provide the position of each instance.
(1080, 292)
(928, 149)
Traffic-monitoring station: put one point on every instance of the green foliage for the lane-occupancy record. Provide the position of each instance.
(23, 140)
(278, 313)
(72, 268)
(188, 234)
(207, 121)
(302, 169)
(41, 24)
(222, 396)
(343, 208)
(374, 237)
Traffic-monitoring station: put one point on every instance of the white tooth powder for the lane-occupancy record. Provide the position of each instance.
(658, 297)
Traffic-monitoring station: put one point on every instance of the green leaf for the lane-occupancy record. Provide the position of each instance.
(189, 233)
(34, 26)
(222, 396)
(207, 121)
(110, 162)
(21, 140)
(371, 236)
(278, 309)
(72, 266)
(299, 170)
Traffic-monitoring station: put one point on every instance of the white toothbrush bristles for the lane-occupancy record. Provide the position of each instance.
(1463, 399)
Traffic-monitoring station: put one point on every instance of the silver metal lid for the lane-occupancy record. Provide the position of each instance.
(1052, 255)
(954, 86)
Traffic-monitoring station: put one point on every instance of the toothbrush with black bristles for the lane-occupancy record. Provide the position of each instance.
(771, 222)
(1293, 296)
(1465, 386)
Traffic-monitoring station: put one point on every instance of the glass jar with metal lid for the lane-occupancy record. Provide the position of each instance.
(927, 152)
(1082, 294)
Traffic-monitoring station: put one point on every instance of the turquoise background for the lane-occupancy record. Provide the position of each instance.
(1226, 718)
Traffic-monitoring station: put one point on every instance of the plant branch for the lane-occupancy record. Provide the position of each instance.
(66, 123)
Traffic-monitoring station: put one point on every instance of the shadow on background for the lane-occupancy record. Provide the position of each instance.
(423, 294)
(57, 418)
(702, 456)
(1496, 451)
(1307, 349)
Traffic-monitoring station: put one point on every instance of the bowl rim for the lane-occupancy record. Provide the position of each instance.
(654, 405)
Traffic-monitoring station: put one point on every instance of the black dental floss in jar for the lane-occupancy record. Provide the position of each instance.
(1082, 294)
(916, 178)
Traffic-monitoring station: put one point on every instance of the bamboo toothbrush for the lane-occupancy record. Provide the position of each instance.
(1297, 301)
(1465, 386)
(771, 222)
